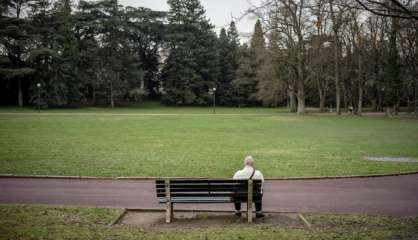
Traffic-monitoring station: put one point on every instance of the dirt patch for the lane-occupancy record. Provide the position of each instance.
(193, 220)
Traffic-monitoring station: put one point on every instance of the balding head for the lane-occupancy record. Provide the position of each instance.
(249, 161)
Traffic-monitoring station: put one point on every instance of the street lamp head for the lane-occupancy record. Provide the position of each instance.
(214, 89)
(38, 85)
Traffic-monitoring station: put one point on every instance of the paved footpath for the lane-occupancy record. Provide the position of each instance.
(396, 196)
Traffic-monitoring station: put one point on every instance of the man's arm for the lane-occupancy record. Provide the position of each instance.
(261, 177)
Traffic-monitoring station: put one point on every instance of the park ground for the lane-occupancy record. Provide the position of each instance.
(156, 141)
(152, 140)
(42, 222)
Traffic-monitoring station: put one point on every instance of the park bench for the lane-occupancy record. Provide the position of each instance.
(208, 191)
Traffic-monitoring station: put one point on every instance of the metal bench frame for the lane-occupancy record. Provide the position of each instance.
(169, 202)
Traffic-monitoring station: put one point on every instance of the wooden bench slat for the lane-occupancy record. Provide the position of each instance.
(207, 191)
(197, 200)
(209, 195)
(208, 186)
(204, 181)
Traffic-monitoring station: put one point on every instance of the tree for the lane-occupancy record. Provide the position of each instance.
(191, 67)
(392, 72)
(271, 81)
(337, 23)
(54, 53)
(227, 71)
(245, 84)
(289, 16)
(248, 73)
(145, 33)
(67, 52)
(320, 54)
(15, 44)
(258, 44)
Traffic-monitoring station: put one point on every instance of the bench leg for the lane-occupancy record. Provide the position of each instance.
(250, 201)
(169, 212)
(169, 204)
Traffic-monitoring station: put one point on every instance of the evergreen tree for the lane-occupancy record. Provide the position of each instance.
(234, 44)
(245, 83)
(145, 32)
(15, 46)
(258, 44)
(250, 63)
(227, 71)
(67, 71)
(228, 64)
(112, 53)
(44, 57)
(86, 30)
(191, 67)
(270, 87)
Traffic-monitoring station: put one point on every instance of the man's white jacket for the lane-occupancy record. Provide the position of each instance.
(246, 174)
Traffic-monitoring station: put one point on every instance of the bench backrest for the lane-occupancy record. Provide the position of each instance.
(206, 190)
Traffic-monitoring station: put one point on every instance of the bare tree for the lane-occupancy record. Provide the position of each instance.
(391, 8)
(337, 17)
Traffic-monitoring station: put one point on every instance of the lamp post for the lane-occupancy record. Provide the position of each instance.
(38, 85)
(213, 93)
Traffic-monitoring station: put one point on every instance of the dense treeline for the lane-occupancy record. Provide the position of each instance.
(96, 54)
(332, 53)
(324, 53)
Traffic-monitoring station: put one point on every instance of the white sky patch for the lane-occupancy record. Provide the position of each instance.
(220, 12)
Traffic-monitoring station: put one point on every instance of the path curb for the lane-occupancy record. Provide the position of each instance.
(303, 219)
(118, 218)
(155, 178)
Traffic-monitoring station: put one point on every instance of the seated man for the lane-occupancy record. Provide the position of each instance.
(249, 172)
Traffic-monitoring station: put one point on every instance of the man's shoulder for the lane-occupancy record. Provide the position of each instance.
(238, 173)
(258, 175)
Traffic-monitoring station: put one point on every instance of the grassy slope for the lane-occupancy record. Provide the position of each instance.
(39, 222)
(284, 145)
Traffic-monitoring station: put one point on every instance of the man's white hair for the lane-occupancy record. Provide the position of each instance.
(249, 161)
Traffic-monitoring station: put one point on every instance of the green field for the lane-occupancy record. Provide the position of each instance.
(40, 222)
(189, 142)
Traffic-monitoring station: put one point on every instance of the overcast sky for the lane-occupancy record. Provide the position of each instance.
(220, 12)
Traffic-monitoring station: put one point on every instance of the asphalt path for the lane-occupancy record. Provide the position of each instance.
(393, 196)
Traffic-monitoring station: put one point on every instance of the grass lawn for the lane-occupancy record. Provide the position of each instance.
(186, 145)
(41, 222)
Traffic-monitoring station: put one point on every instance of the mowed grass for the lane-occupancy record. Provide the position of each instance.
(40, 222)
(112, 143)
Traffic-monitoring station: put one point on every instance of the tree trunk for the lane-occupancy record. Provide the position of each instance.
(360, 99)
(94, 95)
(409, 104)
(322, 98)
(301, 80)
(336, 27)
(345, 96)
(301, 98)
(396, 108)
(360, 83)
(20, 92)
(292, 100)
(337, 81)
(142, 84)
(301, 103)
(389, 112)
(416, 97)
(112, 101)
